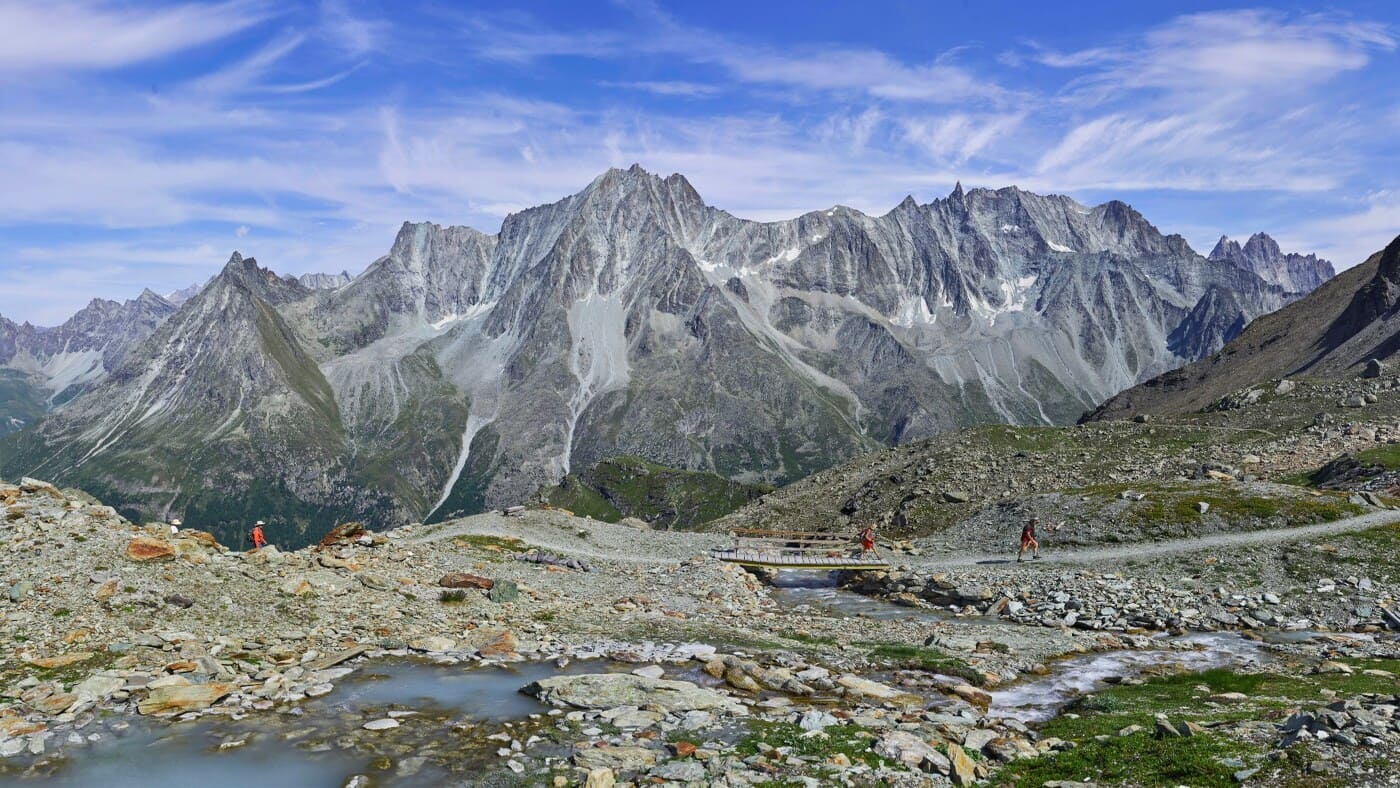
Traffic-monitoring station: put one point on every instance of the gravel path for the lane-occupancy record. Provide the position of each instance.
(1170, 547)
(598, 540)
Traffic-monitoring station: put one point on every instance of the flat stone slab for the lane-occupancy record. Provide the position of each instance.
(177, 698)
(611, 690)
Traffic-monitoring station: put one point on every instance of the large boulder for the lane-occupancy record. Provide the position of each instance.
(343, 534)
(464, 580)
(963, 770)
(864, 687)
(178, 698)
(503, 591)
(61, 661)
(912, 751)
(145, 548)
(610, 690)
(614, 758)
(491, 642)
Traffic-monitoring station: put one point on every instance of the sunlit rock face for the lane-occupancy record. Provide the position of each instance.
(463, 370)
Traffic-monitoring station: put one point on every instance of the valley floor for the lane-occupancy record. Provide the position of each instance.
(112, 627)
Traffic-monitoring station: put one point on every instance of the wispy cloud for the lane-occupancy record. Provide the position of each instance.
(354, 34)
(669, 88)
(78, 34)
(839, 69)
(1232, 51)
(309, 136)
(250, 69)
(958, 136)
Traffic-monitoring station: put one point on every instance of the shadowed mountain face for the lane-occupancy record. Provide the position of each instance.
(464, 370)
(1331, 332)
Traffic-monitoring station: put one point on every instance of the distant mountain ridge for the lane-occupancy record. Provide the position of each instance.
(1331, 332)
(1261, 255)
(464, 369)
(44, 367)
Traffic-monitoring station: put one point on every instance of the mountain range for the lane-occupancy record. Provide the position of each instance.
(464, 370)
(41, 368)
(1331, 333)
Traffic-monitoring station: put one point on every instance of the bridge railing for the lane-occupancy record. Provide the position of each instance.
(796, 548)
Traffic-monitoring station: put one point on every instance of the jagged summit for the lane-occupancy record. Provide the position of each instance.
(1262, 256)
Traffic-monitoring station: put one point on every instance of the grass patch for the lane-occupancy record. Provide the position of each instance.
(1374, 552)
(852, 741)
(1137, 760)
(907, 657)
(452, 596)
(1143, 760)
(665, 497)
(1172, 504)
(808, 638)
(1386, 455)
(497, 548)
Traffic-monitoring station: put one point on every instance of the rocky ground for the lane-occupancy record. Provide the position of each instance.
(703, 676)
(1280, 432)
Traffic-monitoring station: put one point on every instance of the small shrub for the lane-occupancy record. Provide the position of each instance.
(452, 596)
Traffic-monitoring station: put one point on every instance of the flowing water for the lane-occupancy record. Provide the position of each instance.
(1041, 699)
(312, 747)
(818, 592)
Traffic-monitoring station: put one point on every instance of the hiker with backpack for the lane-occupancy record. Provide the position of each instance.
(256, 536)
(1028, 540)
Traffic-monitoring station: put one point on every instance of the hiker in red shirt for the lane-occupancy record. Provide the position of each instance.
(867, 539)
(259, 541)
(1028, 540)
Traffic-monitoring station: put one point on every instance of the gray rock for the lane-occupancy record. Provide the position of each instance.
(611, 690)
(815, 720)
(619, 758)
(20, 590)
(906, 748)
(503, 591)
(681, 771)
(978, 738)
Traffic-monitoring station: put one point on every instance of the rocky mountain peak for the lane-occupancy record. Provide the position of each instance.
(1261, 256)
(1225, 249)
(1261, 245)
(244, 273)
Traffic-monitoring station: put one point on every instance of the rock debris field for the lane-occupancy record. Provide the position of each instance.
(650, 662)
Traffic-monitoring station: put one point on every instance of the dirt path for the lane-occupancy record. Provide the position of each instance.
(1174, 546)
(580, 538)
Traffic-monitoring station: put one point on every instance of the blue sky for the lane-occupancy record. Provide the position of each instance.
(142, 142)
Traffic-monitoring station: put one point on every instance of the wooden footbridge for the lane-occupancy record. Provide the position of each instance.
(797, 550)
